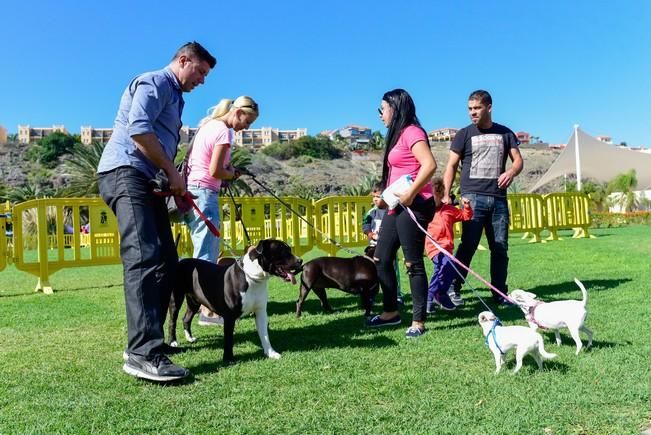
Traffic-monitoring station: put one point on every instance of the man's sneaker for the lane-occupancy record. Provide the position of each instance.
(166, 349)
(159, 368)
(413, 332)
(215, 320)
(455, 298)
(430, 307)
(377, 321)
(444, 301)
(401, 299)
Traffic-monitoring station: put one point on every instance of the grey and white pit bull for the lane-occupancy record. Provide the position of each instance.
(232, 290)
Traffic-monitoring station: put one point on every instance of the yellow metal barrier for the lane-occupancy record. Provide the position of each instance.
(568, 211)
(47, 236)
(340, 218)
(3, 242)
(527, 214)
(265, 218)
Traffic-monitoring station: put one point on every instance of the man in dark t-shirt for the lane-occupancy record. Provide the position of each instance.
(482, 148)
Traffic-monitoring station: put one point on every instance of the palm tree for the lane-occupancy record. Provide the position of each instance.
(363, 188)
(597, 193)
(82, 169)
(625, 185)
(377, 140)
(514, 187)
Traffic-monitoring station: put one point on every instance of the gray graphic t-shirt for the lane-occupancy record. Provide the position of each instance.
(483, 155)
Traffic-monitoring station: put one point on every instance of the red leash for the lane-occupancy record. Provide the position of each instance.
(188, 198)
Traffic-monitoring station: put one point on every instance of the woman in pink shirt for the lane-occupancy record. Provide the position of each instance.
(407, 152)
(208, 165)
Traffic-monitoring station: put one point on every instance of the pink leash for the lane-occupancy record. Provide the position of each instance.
(454, 259)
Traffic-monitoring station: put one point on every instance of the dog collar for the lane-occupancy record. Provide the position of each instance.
(531, 317)
(496, 322)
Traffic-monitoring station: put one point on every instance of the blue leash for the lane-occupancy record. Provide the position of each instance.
(496, 322)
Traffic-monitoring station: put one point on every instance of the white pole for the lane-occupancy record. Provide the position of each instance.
(577, 157)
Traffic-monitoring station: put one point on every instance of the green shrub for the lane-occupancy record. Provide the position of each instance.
(319, 147)
(614, 220)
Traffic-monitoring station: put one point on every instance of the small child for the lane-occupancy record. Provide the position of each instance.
(371, 226)
(441, 228)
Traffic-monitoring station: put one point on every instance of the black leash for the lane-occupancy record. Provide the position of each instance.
(238, 216)
(330, 239)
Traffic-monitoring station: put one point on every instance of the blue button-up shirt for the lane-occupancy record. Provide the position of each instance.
(152, 103)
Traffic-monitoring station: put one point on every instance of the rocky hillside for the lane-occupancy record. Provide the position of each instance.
(327, 177)
(333, 176)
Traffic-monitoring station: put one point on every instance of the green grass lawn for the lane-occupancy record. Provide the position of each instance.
(61, 359)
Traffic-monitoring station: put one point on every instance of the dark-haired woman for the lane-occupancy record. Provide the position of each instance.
(407, 152)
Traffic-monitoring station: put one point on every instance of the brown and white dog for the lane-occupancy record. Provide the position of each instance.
(500, 339)
(232, 290)
(356, 275)
(555, 315)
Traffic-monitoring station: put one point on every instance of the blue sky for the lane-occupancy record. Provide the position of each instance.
(323, 65)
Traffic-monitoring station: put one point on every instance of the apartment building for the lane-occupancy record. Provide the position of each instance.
(523, 137)
(28, 134)
(442, 134)
(90, 135)
(261, 137)
(257, 137)
(354, 135)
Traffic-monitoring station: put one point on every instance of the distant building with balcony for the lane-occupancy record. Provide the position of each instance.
(523, 137)
(356, 136)
(90, 135)
(27, 134)
(3, 135)
(442, 134)
(261, 137)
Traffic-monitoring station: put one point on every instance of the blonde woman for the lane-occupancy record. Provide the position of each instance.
(208, 165)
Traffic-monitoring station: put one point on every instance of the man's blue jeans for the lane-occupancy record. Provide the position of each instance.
(490, 214)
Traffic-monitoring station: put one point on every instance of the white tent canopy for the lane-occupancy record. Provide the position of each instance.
(588, 157)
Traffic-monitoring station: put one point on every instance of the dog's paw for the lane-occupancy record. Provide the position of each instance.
(273, 354)
(174, 344)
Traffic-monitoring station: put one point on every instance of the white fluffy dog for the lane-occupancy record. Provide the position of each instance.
(501, 339)
(556, 315)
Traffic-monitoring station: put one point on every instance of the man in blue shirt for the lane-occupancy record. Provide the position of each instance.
(144, 140)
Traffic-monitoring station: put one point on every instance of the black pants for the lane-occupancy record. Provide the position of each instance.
(148, 255)
(399, 230)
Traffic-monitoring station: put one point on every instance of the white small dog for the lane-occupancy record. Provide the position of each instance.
(556, 315)
(501, 339)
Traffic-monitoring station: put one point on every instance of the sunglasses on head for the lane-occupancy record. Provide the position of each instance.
(249, 106)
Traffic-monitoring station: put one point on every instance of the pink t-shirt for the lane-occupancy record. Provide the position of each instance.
(402, 161)
(212, 133)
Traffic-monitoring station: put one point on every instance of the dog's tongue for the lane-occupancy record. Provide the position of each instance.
(291, 278)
